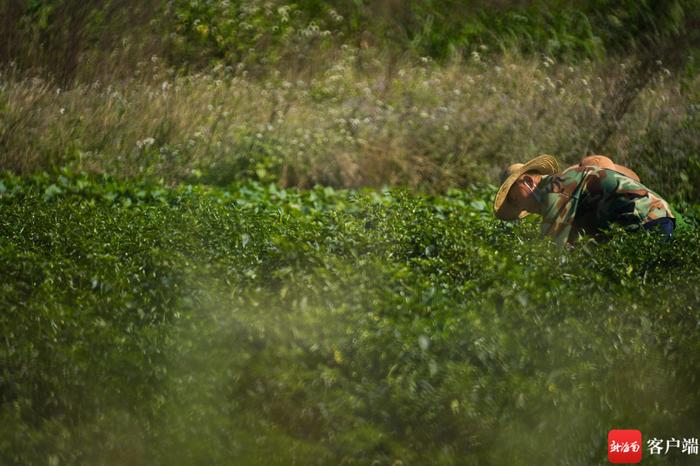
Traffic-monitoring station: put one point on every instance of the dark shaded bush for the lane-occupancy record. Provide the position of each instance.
(71, 39)
(76, 40)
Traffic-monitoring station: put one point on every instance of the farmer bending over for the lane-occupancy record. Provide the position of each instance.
(583, 199)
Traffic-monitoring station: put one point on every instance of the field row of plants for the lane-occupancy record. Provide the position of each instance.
(248, 324)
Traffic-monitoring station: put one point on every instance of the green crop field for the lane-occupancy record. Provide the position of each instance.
(261, 232)
(143, 324)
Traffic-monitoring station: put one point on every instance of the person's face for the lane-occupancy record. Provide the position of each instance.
(521, 190)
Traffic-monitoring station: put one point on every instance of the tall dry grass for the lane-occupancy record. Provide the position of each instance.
(413, 125)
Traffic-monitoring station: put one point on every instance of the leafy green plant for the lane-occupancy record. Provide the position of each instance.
(255, 324)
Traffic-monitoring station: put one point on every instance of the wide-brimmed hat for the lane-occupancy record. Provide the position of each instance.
(502, 207)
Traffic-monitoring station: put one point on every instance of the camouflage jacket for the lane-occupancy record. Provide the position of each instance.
(586, 200)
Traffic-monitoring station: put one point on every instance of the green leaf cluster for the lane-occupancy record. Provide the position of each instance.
(144, 324)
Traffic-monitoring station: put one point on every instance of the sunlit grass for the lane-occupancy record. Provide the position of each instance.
(414, 125)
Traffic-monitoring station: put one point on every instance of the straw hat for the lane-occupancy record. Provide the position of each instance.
(502, 207)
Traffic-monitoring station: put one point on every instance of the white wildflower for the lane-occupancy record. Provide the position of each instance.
(145, 143)
(334, 14)
(283, 11)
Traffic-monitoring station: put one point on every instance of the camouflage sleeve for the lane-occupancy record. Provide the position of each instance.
(558, 217)
(561, 203)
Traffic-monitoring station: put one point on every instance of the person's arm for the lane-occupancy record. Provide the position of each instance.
(559, 207)
(558, 217)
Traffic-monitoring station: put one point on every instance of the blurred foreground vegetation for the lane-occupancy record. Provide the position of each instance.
(252, 325)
